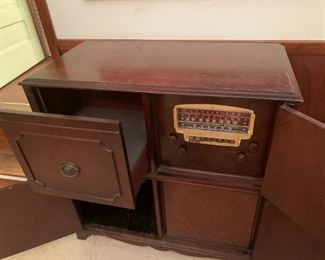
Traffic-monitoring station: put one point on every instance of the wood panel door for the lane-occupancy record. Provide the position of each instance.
(20, 48)
(71, 156)
(294, 184)
(29, 219)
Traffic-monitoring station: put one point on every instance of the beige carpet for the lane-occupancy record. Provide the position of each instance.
(96, 248)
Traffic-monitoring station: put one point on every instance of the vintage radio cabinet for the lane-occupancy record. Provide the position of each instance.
(186, 146)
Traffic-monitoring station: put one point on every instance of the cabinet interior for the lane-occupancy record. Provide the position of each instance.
(126, 107)
(68, 101)
(140, 220)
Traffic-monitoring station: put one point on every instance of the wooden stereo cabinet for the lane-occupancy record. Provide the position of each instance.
(189, 146)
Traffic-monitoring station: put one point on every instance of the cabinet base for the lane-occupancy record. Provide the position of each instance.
(181, 245)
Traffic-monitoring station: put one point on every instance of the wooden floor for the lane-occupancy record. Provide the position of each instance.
(12, 97)
(8, 162)
(6, 183)
(13, 93)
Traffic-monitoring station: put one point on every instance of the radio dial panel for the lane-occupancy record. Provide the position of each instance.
(213, 124)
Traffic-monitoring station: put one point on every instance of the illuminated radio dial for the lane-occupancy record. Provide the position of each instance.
(213, 124)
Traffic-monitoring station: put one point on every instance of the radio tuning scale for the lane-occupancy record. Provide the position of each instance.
(213, 124)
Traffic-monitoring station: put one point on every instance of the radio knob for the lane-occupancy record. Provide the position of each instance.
(182, 150)
(241, 157)
(172, 139)
(253, 147)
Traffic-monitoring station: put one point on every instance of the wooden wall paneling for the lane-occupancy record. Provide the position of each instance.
(60, 46)
(65, 45)
(310, 74)
(292, 47)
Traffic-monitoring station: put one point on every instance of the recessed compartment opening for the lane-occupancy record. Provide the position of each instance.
(140, 220)
(121, 137)
(126, 107)
(67, 101)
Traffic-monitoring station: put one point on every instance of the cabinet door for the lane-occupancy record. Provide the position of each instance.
(69, 156)
(294, 182)
(29, 219)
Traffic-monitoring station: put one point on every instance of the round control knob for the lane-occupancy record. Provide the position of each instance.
(253, 147)
(241, 157)
(172, 139)
(182, 150)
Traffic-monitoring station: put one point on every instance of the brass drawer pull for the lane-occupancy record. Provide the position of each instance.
(69, 169)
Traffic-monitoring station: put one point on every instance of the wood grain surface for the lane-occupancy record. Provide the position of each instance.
(254, 70)
(294, 181)
(8, 161)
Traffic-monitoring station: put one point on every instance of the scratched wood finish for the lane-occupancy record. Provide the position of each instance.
(308, 62)
(187, 68)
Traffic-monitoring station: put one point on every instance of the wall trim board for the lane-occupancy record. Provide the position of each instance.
(46, 21)
(292, 47)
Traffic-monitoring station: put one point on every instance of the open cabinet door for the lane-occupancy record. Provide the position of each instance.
(20, 48)
(293, 219)
(28, 219)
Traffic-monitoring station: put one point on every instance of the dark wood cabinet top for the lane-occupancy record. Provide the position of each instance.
(250, 70)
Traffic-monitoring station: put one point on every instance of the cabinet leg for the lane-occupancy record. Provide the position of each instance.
(82, 235)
